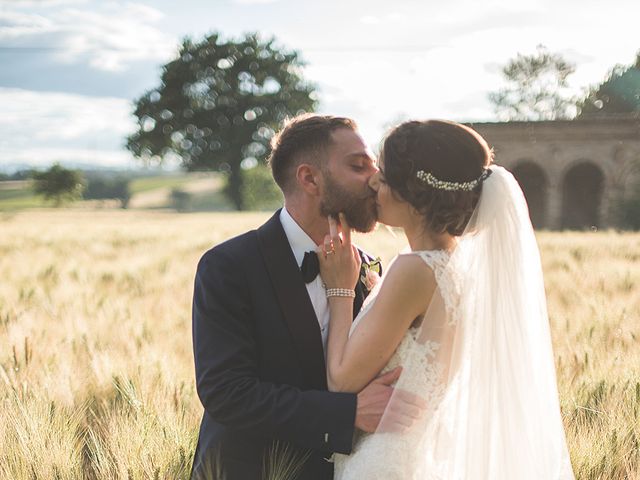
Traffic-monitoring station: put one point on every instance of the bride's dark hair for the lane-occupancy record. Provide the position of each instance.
(449, 151)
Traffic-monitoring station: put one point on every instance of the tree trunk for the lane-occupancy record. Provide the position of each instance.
(234, 187)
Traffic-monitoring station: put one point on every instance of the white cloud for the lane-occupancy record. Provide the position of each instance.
(396, 17)
(472, 41)
(45, 127)
(113, 39)
(14, 25)
(370, 20)
(377, 88)
(253, 2)
(41, 3)
(109, 37)
(43, 157)
(465, 43)
(384, 19)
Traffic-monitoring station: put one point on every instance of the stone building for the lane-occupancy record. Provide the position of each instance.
(573, 172)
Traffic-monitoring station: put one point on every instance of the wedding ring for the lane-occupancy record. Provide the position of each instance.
(328, 248)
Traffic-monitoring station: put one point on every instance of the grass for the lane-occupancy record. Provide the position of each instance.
(96, 368)
(16, 196)
(210, 201)
(19, 198)
(146, 184)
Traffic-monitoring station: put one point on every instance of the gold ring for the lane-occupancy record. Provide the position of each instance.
(330, 252)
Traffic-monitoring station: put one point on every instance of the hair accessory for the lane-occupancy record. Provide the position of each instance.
(432, 181)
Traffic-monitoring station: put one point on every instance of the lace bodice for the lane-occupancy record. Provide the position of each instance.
(387, 455)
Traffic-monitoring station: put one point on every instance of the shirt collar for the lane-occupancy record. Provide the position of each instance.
(299, 241)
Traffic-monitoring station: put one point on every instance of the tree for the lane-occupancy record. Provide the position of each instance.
(618, 93)
(260, 191)
(218, 104)
(58, 184)
(181, 200)
(628, 210)
(108, 188)
(537, 88)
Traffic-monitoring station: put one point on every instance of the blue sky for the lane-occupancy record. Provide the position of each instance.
(70, 69)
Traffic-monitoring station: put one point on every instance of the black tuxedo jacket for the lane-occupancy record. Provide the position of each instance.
(259, 361)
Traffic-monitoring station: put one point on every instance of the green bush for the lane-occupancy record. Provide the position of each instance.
(180, 200)
(100, 188)
(59, 184)
(629, 211)
(259, 190)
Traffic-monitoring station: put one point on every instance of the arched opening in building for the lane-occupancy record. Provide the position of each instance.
(533, 182)
(581, 196)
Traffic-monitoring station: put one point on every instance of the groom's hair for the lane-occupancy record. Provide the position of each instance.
(303, 139)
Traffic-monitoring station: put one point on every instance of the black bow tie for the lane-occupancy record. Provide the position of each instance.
(310, 267)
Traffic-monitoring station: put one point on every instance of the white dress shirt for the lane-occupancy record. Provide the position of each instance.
(300, 243)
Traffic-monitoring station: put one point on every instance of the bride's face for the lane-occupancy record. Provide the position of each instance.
(392, 210)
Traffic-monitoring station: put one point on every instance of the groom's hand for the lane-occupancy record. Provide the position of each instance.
(373, 403)
(373, 400)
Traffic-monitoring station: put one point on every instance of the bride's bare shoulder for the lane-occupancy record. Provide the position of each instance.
(409, 274)
(411, 264)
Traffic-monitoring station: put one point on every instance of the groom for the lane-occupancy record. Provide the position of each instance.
(260, 321)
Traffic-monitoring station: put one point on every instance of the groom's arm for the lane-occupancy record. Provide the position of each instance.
(226, 361)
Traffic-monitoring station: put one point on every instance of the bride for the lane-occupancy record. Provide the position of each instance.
(463, 312)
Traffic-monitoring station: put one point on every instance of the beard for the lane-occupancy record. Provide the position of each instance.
(359, 208)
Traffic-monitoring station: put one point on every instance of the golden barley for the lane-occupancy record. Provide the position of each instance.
(96, 369)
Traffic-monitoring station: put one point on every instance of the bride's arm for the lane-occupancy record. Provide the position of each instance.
(352, 362)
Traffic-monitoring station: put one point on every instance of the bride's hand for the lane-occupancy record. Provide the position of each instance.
(339, 259)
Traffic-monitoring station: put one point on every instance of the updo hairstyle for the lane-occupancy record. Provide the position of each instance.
(451, 152)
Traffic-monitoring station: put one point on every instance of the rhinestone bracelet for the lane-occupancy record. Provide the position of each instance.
(340, 292)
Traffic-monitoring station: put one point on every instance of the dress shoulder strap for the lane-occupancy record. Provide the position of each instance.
(446, 278)
(437, 260)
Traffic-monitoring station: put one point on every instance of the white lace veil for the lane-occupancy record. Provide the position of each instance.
(483, 361)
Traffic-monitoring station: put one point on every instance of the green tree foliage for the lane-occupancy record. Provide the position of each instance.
(537, 88)
(23, 174)
(626, 201)
(629, 211)
(108, 188)
(180, 199)
(618, 93)
(58, 184)
(259, 190)
(219, 103)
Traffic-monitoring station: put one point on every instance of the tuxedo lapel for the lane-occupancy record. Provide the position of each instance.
(293, 299)
(361, 294)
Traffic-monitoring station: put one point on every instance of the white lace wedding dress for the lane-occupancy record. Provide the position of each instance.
(389, 456)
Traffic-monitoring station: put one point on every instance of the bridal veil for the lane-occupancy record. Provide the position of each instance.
(483, 361)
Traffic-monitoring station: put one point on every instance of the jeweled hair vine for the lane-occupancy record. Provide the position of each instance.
(429, 179)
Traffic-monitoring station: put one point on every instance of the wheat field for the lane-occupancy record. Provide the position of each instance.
(96, 369)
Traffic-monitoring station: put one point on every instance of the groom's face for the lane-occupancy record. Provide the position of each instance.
(346, 175)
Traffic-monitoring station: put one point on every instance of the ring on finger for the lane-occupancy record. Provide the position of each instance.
(328, 248)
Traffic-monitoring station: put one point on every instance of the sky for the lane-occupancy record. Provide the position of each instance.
(70, 70)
